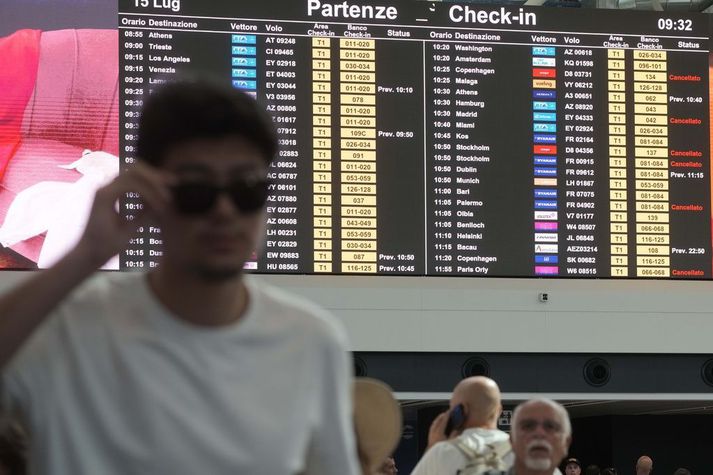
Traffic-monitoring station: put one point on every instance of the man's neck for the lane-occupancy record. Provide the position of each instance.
(521, 469)
(198, 301)
(481, 425)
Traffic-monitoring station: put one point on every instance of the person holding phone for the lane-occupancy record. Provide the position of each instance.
(465, 439)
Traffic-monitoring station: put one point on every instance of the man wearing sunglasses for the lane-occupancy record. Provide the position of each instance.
(190, 368)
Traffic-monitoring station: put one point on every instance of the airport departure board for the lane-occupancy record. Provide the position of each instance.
(448, 139)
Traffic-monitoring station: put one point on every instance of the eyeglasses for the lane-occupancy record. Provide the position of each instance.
(197, 197)
(549, 426)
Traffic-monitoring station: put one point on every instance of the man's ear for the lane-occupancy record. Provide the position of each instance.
(568, 442)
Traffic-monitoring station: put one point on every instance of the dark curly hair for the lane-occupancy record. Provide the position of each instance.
(13, 450)
(182, 111)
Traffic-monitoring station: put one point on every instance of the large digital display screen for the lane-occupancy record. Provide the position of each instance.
(447, 139)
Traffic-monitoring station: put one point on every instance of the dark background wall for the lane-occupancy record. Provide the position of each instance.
(671, 441)
(543, 372)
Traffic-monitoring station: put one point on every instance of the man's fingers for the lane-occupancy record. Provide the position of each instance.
(155, 193)
(150, 180)
(436, 431)
(160, 180)
(131, 228)
(440, 420)
(439, 423)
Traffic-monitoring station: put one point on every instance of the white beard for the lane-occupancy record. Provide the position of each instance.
(538, 464)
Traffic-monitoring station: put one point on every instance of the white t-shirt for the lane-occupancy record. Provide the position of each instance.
(112, 383)
(444, 458)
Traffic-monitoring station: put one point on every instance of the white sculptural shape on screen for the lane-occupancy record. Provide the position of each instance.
(59, 209)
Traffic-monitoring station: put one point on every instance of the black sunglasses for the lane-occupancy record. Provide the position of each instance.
(198, 197)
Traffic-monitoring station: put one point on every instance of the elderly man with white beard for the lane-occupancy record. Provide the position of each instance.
(540, 435)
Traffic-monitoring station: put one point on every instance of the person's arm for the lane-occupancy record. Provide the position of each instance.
(437, 429)
(25, 307)
(436, 432)
(439, 456)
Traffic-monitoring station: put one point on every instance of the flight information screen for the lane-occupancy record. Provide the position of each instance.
(421, 138)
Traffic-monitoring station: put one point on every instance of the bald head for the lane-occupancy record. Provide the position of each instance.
(481, 398)
(644, 465)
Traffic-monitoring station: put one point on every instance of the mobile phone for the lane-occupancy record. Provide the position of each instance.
(456, 419)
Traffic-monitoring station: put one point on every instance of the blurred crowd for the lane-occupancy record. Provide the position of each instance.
(464, 440)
